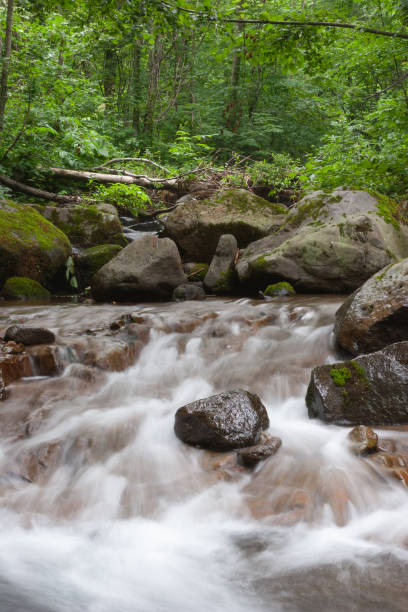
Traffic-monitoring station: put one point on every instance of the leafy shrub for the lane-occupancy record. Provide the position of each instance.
(131, 197)
(280, 172)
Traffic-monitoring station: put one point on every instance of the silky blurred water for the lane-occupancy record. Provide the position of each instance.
(130, 519)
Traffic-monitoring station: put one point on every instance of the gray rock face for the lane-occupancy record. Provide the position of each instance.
(220, 277)
(328, 244)
(197, 226)
(29, 335)
(188, 291)
(370, 390)
(147, 269)
(377, 313)
(233, 419)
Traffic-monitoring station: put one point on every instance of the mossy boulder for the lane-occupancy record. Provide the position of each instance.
(30, 246)
(89, 261)
(377, 313)
(370, 390)
(197, 225)
(279, 289)
(87, 225)
(22, 288)
(337, 243)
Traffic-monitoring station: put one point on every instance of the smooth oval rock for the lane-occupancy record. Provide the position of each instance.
(362, 440)
(229, 420)
(29, 335)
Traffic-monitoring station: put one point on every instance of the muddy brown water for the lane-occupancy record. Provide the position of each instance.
(103, 509)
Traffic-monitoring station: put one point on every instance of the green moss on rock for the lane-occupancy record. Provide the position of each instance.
(282, 288)
(22, 288)
(198, 272)
(30, 246)
(340, 376)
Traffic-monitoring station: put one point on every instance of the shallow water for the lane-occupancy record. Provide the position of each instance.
(130, 519)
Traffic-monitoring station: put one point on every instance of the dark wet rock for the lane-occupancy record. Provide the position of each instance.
(29, 335)
(149, 268)
(363, 440)
(370, 389)
(30, 246)
(377, 313)
(188, 291)
(221, 276)
(197, 226)
(229, 420)
(250, 457)
(329, 243)
(21, 288)
(3, 391)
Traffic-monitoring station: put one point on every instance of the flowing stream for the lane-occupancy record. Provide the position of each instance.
(128, 519)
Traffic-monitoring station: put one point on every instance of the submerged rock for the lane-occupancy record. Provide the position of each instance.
(377, 313)
(29, 335)
(250, 456)
(149, 268)
(363, 440)
(2, 387)
(329, 243)
(30, 246)
(197, 226)
(221, 276)
(233, 419)
(371, 389)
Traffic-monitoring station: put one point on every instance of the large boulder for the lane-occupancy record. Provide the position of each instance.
(87, 226)
(233, 419)
(377, 313)
(328, 243)
(30, 246)
(147, 269)
(197, 226)
(370, 390)
(221, 276)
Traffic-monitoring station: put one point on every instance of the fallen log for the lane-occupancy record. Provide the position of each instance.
(38, 193)
(141, 181)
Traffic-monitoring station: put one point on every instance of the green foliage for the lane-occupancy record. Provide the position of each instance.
(189, 149)
(70, 273)
(280, 172)
(131, 197)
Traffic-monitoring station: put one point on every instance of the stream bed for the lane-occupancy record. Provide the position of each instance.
(128, 519)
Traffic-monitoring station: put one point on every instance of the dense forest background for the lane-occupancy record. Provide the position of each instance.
(188, 82)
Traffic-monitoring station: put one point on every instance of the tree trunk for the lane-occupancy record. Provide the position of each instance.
(6, 61)
(155, 59)
(109, 72)
(136, 88)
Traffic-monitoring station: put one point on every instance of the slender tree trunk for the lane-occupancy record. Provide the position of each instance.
(6, 61)
(109, 72)
(233, 109)
(155, 60)
(136, 88)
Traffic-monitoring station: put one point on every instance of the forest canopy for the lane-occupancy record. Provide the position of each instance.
(198, 82)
